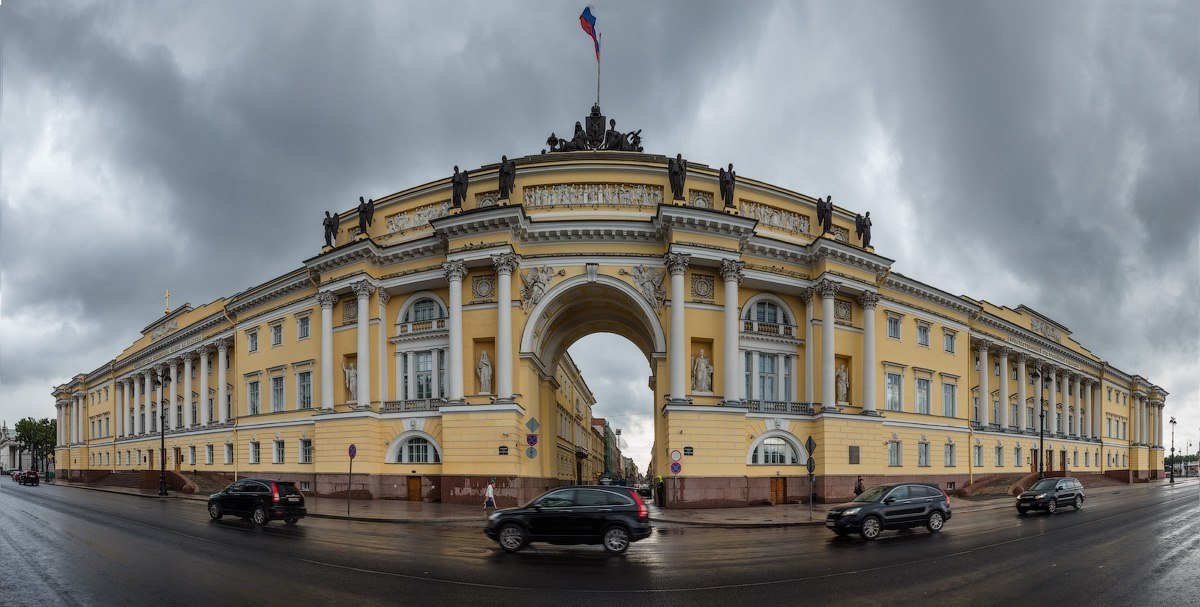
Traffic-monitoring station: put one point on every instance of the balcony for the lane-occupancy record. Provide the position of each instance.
(779, 406)
(768, 328)
(421, 326)
(418, 404)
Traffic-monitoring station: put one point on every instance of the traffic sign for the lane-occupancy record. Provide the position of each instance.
(812, 465)
(531, 440)
(676, 467)
(353, 451)
(676, 455)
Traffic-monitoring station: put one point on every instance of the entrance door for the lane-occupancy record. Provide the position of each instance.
(178, 458)
(414, 488)
(1062, 460)
(1033, 461)
(1049, 460)
(778, 490)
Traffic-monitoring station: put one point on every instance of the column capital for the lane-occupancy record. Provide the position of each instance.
(806, 296)
(1017, 357)
(826, 288)
(677, 263)
(868, 300)
(506, 263)
(731, 269)
(327, 299)
(222, 345)
(363, 289)
(384, 297)
(455, 270)
(981, 344)
(204, 350)
(1002, 351)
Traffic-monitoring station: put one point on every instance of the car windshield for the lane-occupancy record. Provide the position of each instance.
(874, 494)
(1045, 484)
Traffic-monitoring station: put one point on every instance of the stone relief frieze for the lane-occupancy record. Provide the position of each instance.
(417, 217)
(650, 284)
(841, 234)
(700, 199)
(483, 288)
(783, 219)
(842, 311)
(350, 311)
(164, 329)
(702, 286)
(487, 199)
(593, 195)
(1046, 329)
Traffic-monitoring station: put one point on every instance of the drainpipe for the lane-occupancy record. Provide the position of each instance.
(970, 454)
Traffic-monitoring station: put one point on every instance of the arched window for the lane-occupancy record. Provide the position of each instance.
(424, 309)
(767, 311)
(415, 449)
(774, 451)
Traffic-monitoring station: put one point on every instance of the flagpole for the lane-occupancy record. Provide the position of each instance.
(598, 74)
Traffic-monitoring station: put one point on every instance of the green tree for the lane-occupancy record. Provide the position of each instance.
(37, 437)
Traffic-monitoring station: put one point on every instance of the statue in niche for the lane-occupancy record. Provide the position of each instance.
(351, 382)
(676, 173)
(862, 227)
(458, 188)
(508, 174)
(366, 214)
(727, 180)
(843, 384)
(484, 369)
(331, 228)
(702, 371)
(825, 214)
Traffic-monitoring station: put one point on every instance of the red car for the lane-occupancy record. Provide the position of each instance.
(29, 477)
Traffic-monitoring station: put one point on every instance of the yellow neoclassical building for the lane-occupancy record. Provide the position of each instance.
(432, 334)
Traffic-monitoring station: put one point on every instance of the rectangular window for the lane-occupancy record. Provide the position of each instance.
(854, 454)
(1028, 417)
(923, 396)
(254, 452)
(748, 365)
(1017, 456)
(975, 409)
(277, 334)
(192, 455)
(1075, 460)
(304, 389)
(922, 454)
(893, 392)
(252, 341)
(252, 397)
(278, 458)
(979, 455)
(305, 451)
(893, 453)
(948, 342)
(893, 327)
(766, 376)
(1015, 415)
(277, 394)
(923, 335)
(949, 398)
(999, 455)
(1087, 459)
(424, 374)
(302, 326)
(208, 454)
(228, 453)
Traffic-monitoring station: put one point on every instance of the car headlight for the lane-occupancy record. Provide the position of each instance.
(1039, 496)
(851, 512)
(493, 516)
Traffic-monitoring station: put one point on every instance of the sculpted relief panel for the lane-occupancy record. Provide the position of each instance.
(789, 221)
(419, 216)
(593, 195)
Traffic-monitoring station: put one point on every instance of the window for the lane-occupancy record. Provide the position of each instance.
(766, 376)
(893, 392)
(305, 451)
(192, 455)
(253, 452)
(208, 454)
(228, 453)
(277, 334)
(975, 408)
(894, 453)
(304, 389)
(978, 455)
(302, 326)
(195, 416)
(922, 454)
(419, 450)
(426, 309)
(765, 311)
(893, 327)
(1017, 455)
(424, 373)
(923, 335)
(949, 397)
(922, 395)
(748, 365)
(1015, 415)
(774, 450)
(277, 394)
(252, 397)
(1075, 459)
(999, 455)
(1087, 460)
(949, 456)
(252, 338)
(278, 457)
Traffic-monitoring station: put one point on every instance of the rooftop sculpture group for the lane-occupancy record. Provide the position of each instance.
(596, 137)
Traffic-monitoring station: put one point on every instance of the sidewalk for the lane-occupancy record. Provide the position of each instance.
(395, 511)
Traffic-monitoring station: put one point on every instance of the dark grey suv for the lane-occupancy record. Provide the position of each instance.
(894, 506)
(1050, 493)
(591, 514)
(260, 500)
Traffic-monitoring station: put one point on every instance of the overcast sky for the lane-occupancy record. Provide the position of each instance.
(1045, 154)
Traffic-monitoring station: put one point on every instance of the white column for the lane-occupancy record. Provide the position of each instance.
(677, 264)
(326, 299)
(384, 297)
(1077, 402)
(1022, 420)
(826, 289)
(868, 300)
(807, 297)
(731, 273)
(400, 387)
(171, 415)
(1097, 410)
(222, 381)
(147, 397)
(1143, 410)
(1051, 409)
(132, 408)
(754, 362)
(505, 265)
(455, 271)
(119, 407)
(1064, 394)
(793, 394)
(1005, 405)
(187, 391)
(1084, 403)
(410, 387)
(203, 404)
(362, 290)
(985, 393)
(57, 423)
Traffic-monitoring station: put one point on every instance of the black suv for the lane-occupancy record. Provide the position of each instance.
(592, 514)
(28, 477)
(895, 506)
(1050, 493)
(260, 500)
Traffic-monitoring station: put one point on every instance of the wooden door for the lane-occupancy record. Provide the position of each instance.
(178, 458)
(414, 488)
(778, 490)
(1062, 460)
(1049, 460)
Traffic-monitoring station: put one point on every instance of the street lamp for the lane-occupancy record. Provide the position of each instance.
(160, 382)
(1172, 422)
(1041, 456)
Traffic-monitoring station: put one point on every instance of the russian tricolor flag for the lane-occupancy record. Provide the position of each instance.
(588, 22)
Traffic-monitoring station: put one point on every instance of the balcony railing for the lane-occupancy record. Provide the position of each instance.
(418, 404)
(421, 326)
(768, 328)
(779, 406)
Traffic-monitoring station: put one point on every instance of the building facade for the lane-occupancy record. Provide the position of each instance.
(434, 340)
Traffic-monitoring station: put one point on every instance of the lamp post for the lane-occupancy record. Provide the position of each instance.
(160, 383)
(1172, 422)
(1041, 456)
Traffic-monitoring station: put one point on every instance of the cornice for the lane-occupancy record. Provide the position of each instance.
(480, 221)
(671, 217)
(284, 285)
(176, 313)
(849, 255)
(904, 284)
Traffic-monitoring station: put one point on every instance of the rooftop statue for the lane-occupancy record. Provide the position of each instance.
(366, 214)
(727, 179)
(458, 188)
(825, 214)
(508, 174)
(676, 173)
(331, 228)
(862, 227)
(595, 137)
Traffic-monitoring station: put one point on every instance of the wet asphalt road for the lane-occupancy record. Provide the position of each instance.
(67, 546)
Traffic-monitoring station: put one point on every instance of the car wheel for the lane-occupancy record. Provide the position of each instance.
(259, 516)
(291, 520)
(1079, 502)
(214, 510)
(1052, 505)
(1022, 511)
(935, 522)
(512, 538)
(616, 539)
(871, 527)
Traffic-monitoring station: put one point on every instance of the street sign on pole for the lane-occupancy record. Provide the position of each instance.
(350, 481)
(676, 467)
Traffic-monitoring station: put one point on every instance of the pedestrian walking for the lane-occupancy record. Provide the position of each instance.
(489, 496)
(858, 487)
